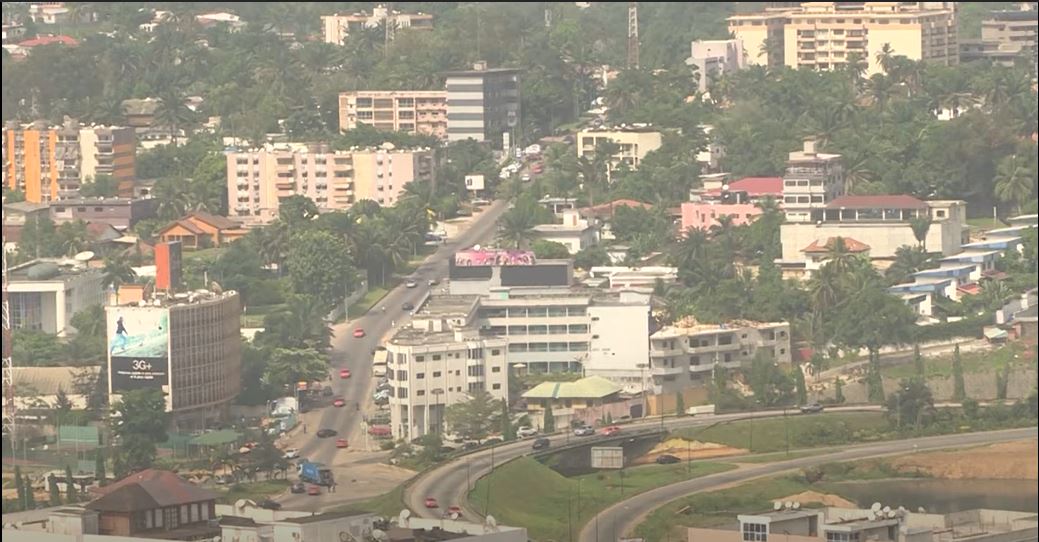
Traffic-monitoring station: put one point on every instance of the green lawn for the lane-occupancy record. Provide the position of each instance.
(204, 254)
(987, 361)
(365, 304)
(253, 316)
(546, 498)
(805, 431)
(386, 505)
(255, 491)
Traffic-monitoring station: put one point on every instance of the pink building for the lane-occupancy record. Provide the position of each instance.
(703, 215)
(753, 189)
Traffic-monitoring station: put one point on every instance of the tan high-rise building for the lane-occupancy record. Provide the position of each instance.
(825, 35)
(336, 28)
(413, 111)
(50, 163)
(258, 179)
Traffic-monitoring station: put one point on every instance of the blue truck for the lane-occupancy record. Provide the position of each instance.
(316, 473)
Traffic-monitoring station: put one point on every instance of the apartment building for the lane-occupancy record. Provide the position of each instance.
(439, 361)
(413, 111)
(714, 58)
(635, 143)
(49, 163)
(484, 104)
(1006, 37)
(120, 213)
(826, 35)
(684, 355)
(811, 180)
(336, 28)
(258, 179)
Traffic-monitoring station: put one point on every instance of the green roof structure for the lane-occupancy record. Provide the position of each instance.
(592, 387)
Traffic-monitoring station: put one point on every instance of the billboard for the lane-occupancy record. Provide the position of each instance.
(477, 258)
(138, 348)
(474, 182)
(607, 457)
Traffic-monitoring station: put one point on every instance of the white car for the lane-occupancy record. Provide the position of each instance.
(410, 284)
(525, 178)
(526, 431)
(292, 453)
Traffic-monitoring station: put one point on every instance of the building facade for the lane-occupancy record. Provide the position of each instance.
(715, 58)
(154, 504)
(413, 111)
(257, 180)
(686, 354)
(811, 180)
(121, 213)
(827, 35)
(336, 28)
(44, 295)
(187, 345)
(51, 163)
(634, 142)
(484, 104)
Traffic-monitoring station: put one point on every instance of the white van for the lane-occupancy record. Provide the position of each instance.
(379, 370)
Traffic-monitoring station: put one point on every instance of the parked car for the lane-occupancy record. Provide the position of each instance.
(270, 504)
(342, 443)
(811, 408)
(585, 431)
(291, 453)
(313, 490)
(411, 283)
(525, 178)
(326, 433)
(526, 431)
(455, 511)
(667, 459)
(432, 503)
(298, 487)
(407, 306)
(493, 441)
(611, 431)
(339, 402)
(344, 373)
(541, 443)
(432, 282)
(359, 333)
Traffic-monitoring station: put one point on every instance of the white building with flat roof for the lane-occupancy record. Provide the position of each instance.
(44, 295)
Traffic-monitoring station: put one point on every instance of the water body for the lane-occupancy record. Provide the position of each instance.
(944, 496)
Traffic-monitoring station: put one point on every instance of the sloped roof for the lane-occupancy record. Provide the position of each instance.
(901, 201)
(48, 380)
(219, 222)
(49, 40)
(146, 490)
(607, 209)
(593, 387)
(850, 244)
(99, 231)
(186, 224)
(755, 186)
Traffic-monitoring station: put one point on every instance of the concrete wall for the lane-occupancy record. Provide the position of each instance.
(980, 386)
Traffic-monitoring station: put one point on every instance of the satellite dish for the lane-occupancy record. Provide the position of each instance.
(876, 507)
(84, 256)
(788, 505)
(871, 515)
(379, 534)
(402, 518)
(797, 505)
(887, 509)
(777, 506)
(454, 515)
(491, 522)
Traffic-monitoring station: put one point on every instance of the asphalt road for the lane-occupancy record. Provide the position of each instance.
(450, 482)
(620, 519)
(355, 354)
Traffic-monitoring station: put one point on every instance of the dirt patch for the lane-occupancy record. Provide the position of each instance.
(826, 499)
(1004, 461)
(687, 450)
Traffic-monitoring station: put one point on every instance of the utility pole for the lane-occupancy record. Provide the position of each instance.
(633, 35)
(390, 26)
(9, 407)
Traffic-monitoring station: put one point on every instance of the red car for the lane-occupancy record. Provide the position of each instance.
(611, 430)
(313, 490)
(344, 373)
(431, 503)
(339, 402)
(358, 333)
(455, 510)
(342, 443)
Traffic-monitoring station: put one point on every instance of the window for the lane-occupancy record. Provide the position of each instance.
(402, 393)
(517, 347)
(420, 376)
(496, 387)
(495, 352)
(557, 330)
(436, 357)
(578, 328)
(537, 330)
(364, 102)
(436, 374)
(537, 312)
(420, 393)
(475, 370)
(755, 532)
(475, 386)
(420, 358)
(458, 372)
(99, 209)
(782, 350)
(557, 311)
(495, 369)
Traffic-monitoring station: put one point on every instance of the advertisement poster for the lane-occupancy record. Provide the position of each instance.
(138, 343)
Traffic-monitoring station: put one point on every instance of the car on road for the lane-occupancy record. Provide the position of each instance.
(526, 431)
(339, 402)
(811, 408)
(432, 282)
(493, 441)
(541, 443)
(481, 201)
(298, 487)
(344, 373)
(270, 504)
(342, 443)
(667, 459)
(455, 511)
(585, 431)
(407, 306)
(291, 453)
(313, 490)
(432, 503)
(326, 433)
(525, 178)
(411, 283)
(358, 333)
(611, 431)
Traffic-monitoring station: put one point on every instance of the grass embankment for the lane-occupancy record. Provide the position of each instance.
(772, 457)
(254, 491)
(365, 304)
(525, 492)
(719, 508)
(386, 505)
(986, 361)
(805, 431)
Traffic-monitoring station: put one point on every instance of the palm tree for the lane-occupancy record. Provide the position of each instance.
(824, 288)
(117, 271)
(273, 243)
(172, 198)
(839, 257)
(517, 227)
(920, 226)
(173, 113)
(1014, 181)
(726, 235)
(885, 57)
(880, 89)
(72, 237)
(908, 260)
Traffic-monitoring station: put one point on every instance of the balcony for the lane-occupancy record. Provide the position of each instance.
(666, 371)
(701, 368)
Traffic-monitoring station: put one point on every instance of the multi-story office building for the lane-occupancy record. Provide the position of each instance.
(439, 361)
(714, 58)
(826, 35)
(258, 179)
(50, 163)
(413, 111)
(44, 295)
(811, 180)
(634, 143)
(120, 213)
(685, 355)
(336, 28)
(484, 104)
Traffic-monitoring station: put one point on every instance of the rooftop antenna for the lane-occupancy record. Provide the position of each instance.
(390, 26)
(633, 35)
